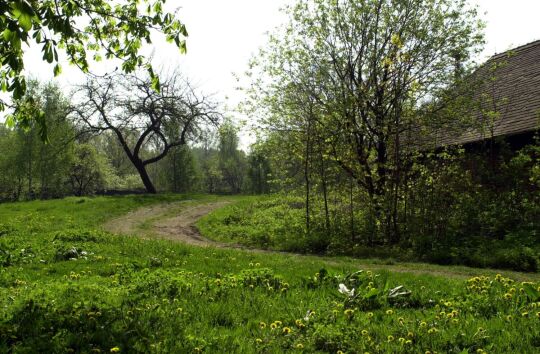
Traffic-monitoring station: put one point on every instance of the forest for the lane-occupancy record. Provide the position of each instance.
(380, 208)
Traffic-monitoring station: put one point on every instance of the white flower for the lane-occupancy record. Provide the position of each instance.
(345, 291)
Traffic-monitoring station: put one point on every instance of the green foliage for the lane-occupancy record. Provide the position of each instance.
(79, 29)
(87, 171)
(133, 295)
(31, 168)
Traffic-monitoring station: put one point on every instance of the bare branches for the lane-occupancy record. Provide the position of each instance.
(126, 104)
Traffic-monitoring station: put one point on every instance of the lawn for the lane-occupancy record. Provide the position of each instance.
(68, 286)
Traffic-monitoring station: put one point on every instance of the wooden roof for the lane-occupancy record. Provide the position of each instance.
(510, 87)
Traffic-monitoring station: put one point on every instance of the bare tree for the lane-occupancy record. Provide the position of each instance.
(128, 105)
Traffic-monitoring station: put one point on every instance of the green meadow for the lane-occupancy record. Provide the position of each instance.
(67, 286)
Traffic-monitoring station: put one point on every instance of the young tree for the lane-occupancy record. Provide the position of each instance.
(127, 105)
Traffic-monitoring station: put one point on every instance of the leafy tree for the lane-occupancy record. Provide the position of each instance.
(182, 171)
(36, 168)
(259, 171)
(350, 75)
(79, 28)
(87, 172)
(231, 160)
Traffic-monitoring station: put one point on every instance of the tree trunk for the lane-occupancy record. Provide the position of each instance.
(145, 178)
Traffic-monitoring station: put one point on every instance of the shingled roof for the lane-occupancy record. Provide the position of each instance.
(511, 87)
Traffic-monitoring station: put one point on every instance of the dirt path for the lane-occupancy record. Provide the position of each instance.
(176, 222)
(172, 221)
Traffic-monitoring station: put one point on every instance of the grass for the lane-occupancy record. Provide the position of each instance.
(67, 286)
(277, 222)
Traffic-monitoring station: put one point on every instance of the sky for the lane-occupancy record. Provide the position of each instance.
(224, 35)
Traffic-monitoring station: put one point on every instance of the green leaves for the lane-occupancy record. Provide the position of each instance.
(24, 14)
(112, 31)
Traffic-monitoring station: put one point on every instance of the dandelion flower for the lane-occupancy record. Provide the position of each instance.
(286, 330)
(258, 340)
(389, 312)
(115, 350)
(348, 312)
(364, 332)
(370, 315)
(262, 325)
(390, 338)
(299, 346)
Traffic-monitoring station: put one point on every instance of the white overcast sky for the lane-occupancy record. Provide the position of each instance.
(223, 35)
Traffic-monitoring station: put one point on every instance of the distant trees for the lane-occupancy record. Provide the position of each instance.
(232, 161)
(29, 167)
(87, 172)
(128, 106)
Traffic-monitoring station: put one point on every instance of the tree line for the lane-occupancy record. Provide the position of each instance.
(116, 133)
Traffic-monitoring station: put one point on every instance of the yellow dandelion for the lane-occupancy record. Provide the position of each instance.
(507, 296)
(348, 312)
(273, 326)
(408, 342)
(364, 332)
(370, 314)
(389, 312)
(286, 330)
(410, 334)
(432, 330)
(423, 324)
(262, 325)
(390, 338)
(299, 346)
(258, 340)
(401, 340)
(524, 314)
(115, 350)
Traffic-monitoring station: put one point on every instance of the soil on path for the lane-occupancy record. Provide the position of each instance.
(172, 221)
